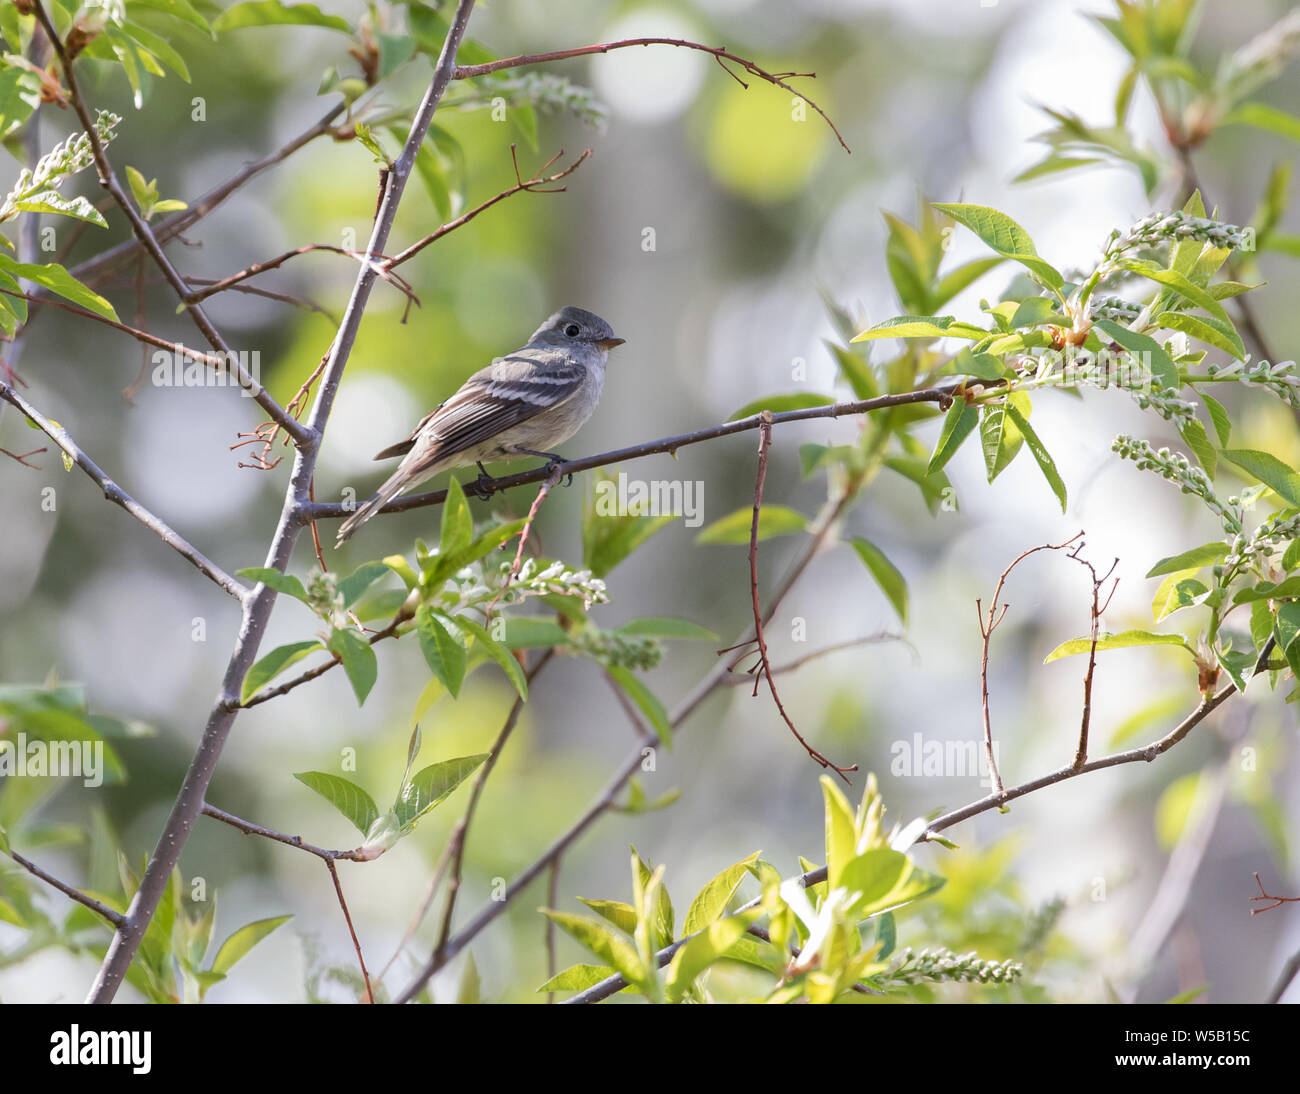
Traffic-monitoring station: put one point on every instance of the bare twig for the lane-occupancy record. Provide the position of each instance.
(110, 182)
(356, 943)
(547, 487)
(118, 496)
(536, 184)
(258, 605)
(738, 678)
(383, 269)
(764, 668)
(333, 511)
(777, 79)
(461, 831)
(251, 829)
(22, 457)
(1264, 894)
(67, 890)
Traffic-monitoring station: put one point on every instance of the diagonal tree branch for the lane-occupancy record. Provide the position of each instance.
(67, 890)
(776, 79)
(259, 604)
(118, 496)
(109, 181)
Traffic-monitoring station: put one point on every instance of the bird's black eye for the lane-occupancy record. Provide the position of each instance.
(572, 330)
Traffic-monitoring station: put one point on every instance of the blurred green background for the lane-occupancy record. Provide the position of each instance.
(755, 215)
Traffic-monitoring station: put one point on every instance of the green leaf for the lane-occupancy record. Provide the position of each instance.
(1267, 590)
(1269, 470)
(1199, 442)
(1122, 640)
(882, 879)
(498, 653)
(160, 48)
(999, 232)
(1219, 416)
(958, 424)
(457, 523)
(773, 520)
(1035, 310)
(983, 366)
(664, 627)
(1178, 282)
(778, 403)
(177, 9)
(1000, 437)
(273, 579)
(1287, 629)
(431, 785)
(703, 949)
(241, 941)
(1193, 560)
(346, 796)
(711, 901)
(20, 94)
(443, 647)
(604, 941)
(840, 831)
(610, 533)
(1263, 116)
(922, 326)
(961, 278)
(1212, 332)
(55, 278)
(51, 201)
(1162, 365)
(646, 701)
(1179, 590)
(359, 580)
(580, 978)
(1040, 453)
(359, 660)
(887, 575)
(269, 667)
(264, 13)
(530, 632)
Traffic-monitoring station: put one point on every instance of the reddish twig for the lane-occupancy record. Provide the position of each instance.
(777, 79)
(534, 185)
(1264, 894)
(764, 667)
(356, 943)
(381, 264)
(21, 457)
(115, 918)
(267, 433)
(547, 486)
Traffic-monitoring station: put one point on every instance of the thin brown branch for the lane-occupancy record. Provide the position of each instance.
(251, 829)
(941, 395)
(460, 833)
(115, 918)
(1264, 894)
(112, 185)
(988, 623)
(606, 801)
(21, 457)
(764, 664)
(777, 79)
(534, 185)
(356, 943)
(547, 487)
(737, 679)
(383, 268)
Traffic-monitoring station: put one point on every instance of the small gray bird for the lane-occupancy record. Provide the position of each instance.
(520, 405)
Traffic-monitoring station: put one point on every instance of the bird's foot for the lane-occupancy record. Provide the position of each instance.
(485, 484)
(553, 460)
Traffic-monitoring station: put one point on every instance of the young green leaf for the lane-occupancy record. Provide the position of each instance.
(359, 660)
(734, 528)
(1002, 234)
(359, 580)
(1161, 364)
(346, 796)
(958, 424)
(498, 653)
(431, 785)
(1191, 560)
(241, 941)
(443, 647)
(273, 579)
(269, 667)
(1040, 453)
(711, 901)
(662, 627)
(264, 13)
(646, 701)
(887, 575)
(1122, 640)
(922, 326)
(1269, 470)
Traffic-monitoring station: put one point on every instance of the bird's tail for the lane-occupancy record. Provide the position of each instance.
(391, 488)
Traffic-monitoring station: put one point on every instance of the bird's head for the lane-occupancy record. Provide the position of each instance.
(573, 326)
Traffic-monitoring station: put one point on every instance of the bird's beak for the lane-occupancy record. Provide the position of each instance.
(610, 343)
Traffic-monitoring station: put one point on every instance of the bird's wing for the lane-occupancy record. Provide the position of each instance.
(509, 391)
